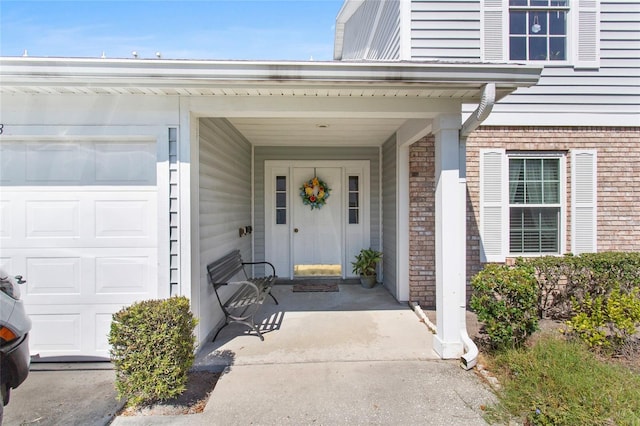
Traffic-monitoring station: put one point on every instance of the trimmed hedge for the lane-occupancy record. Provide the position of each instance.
(596, 294)
(152, 349)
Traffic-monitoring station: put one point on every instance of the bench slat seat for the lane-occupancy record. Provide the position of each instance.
(247, 295)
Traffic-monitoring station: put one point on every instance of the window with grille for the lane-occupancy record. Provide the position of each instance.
(534, 205)
(538, 30)
(281, 200)
(354, 199)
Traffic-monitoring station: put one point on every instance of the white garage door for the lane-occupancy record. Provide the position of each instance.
(79, 221)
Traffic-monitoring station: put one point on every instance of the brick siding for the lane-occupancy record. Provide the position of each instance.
(618, 156)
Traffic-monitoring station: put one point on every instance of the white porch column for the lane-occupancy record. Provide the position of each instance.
(450, 237)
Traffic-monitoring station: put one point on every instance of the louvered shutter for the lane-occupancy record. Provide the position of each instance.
(494, 217)
(583, 201)
(587, 38)
(494, 30)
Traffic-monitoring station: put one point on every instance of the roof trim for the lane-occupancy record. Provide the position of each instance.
(347, 10)
(19, 72)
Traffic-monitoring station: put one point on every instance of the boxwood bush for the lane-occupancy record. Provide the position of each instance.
(152, 349)
(505, 300)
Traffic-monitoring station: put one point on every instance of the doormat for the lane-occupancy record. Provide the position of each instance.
(315, 287)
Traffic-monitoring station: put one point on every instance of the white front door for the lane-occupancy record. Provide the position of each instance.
(301, 241)
(317, 232)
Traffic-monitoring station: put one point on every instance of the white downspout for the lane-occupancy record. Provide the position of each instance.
(470, 357)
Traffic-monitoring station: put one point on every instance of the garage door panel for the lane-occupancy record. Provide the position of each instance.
(35, 218)
(50, 276)
(72, 330)
(53, 218)
(133, 163)
(54, 333)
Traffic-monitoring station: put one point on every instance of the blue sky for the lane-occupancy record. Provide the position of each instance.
(204, 29)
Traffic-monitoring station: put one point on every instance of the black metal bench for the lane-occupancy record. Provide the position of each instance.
(248, 294)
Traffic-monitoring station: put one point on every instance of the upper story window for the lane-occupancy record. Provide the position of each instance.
(538, 30)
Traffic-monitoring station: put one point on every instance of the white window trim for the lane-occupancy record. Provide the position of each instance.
(562, 228)
(583, 34)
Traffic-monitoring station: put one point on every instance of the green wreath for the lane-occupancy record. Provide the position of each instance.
(314, 193)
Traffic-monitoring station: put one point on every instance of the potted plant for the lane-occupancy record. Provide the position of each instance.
(365, 266)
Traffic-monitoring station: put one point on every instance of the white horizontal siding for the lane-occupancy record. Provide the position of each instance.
(607, 96)
(445, 30)
(224, 202)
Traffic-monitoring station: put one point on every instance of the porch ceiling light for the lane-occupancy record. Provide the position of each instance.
(322, 125)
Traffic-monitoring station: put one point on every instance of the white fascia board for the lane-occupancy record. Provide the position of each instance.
(25, 72)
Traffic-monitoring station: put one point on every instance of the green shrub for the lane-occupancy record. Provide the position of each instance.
(505, 300)
(152, 349)
(607, 322)
(566, 281)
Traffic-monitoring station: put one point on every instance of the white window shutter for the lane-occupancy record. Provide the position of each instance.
(494, 215)
(494, 30)
(583, 201)
(586, 34)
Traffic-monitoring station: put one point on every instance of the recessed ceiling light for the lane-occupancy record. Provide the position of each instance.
(322, 125)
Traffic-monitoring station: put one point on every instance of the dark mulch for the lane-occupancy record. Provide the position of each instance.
(200, 384)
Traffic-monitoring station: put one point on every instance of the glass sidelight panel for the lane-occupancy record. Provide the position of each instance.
(354, 199)
(281, 200)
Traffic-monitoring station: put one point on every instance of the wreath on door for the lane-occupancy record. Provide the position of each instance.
(314, 193)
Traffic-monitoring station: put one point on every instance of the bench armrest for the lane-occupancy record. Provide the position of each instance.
(273, 269)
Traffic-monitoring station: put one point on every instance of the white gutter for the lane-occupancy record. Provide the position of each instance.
(482, 112)
(470, 358)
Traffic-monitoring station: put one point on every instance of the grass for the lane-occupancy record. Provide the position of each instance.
(558, 382)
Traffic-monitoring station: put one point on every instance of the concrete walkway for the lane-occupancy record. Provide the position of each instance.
(346, 358)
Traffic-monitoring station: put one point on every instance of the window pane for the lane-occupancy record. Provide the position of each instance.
(534, 230)
(517, 2)
(537, 23)
(558, 48)
(539, 3)
(353, 183)
(281, 217)
(558, 23)
(281, 199)
(353, 199)
(551, 168)
(533, 169)
(353, 216)
(533, 192)
(518, 23)
(551, 193)
(538, 48)
(517, 48)
(281, 183)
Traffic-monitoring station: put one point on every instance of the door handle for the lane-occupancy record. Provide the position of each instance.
(295, 230)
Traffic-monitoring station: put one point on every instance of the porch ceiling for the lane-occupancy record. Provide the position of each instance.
(317, 132)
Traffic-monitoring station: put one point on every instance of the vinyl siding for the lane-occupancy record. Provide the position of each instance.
(263, 153)
(389, 214)
(445, 30)
(373, 32)
(608, 95)
(225, 203)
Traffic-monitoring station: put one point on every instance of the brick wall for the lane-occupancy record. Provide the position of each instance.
(618, 156)
(618, 151)
(422, 243)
